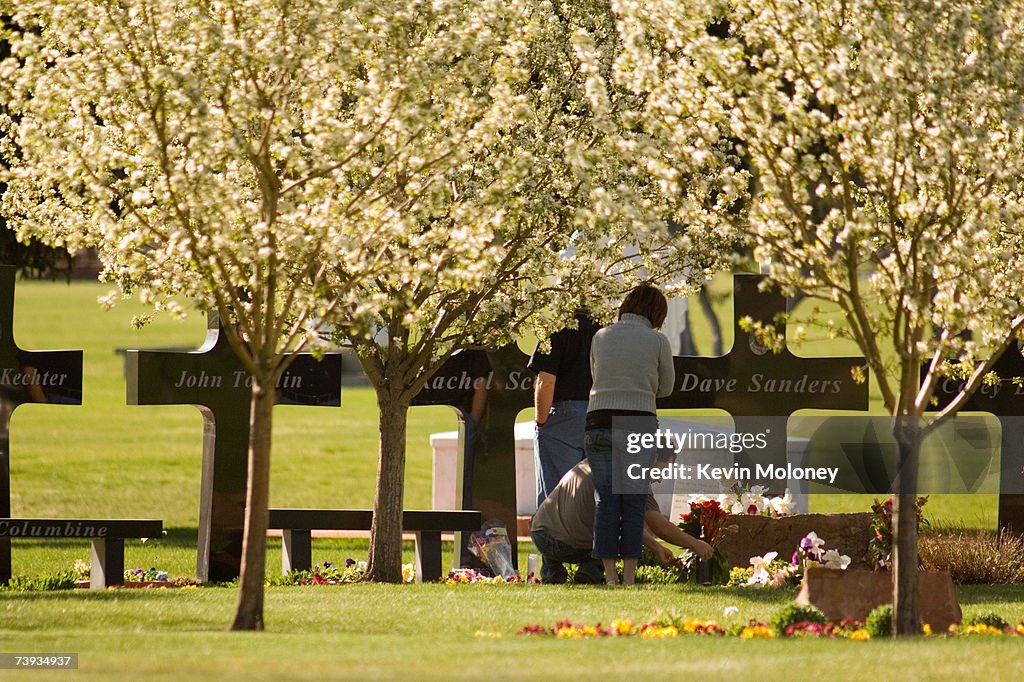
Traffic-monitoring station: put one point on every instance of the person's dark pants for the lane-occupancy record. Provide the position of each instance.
(556, 553)
(619, 518)
(558, 445)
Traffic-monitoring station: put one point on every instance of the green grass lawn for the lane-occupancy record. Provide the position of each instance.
(427, 632)
(107, 459)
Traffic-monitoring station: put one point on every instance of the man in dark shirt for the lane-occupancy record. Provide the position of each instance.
(561, 392)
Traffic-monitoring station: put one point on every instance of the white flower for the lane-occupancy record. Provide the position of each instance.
(753, 502)
(761, 575)
(728, 501)
(833, 559)
(730, 611)
(781, 506)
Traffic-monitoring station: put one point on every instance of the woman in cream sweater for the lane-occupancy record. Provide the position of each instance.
(632, 366)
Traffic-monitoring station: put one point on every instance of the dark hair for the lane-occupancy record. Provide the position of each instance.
(647, 301)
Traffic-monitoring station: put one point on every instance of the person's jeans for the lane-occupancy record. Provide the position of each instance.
(558, 445)
(619, 521)
(555, 553)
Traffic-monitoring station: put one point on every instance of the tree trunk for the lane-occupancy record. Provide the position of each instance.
(906, 619)
(385, 564)
(249, 614)
(714, 327)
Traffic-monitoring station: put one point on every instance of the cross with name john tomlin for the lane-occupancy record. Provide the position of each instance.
(53, 377)
(213, 379)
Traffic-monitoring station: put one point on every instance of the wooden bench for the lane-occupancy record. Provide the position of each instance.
(296, 526)
(107, 537)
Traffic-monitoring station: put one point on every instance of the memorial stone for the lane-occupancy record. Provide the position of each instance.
(53, 377)
(213, 379)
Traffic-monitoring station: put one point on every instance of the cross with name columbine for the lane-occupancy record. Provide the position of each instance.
(1005, 400)
(26, 377)
(488, 390)
(760, 388)
(213, 379)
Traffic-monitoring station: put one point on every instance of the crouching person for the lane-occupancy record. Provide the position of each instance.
(563, 530)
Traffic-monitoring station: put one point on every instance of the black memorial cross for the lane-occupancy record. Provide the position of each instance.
(761, 388)
(487, 390)
(1005, 400)
(26, 377)
(213, 379)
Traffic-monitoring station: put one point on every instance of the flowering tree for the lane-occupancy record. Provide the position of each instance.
(33, 258)
(886, 140)
(554, 210)
(258, 157)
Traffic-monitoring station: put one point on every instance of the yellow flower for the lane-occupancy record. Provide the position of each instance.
(753, 631)
(489, 634)
(862, 634)
(589, 631)
(981, 629)
(622, 626)
(568, 631)
(926, 629)
(656, 632)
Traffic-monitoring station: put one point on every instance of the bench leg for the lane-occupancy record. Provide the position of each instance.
(5, 561)
(107, 563)
(428, 556)
(296, 551)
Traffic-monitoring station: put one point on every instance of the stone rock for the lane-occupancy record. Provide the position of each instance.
(848, 534)
(854, 593)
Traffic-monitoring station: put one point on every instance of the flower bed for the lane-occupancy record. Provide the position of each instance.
(330, 573)
(469, 576)
(790, 622)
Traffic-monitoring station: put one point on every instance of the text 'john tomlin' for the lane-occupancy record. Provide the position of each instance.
(237, 379)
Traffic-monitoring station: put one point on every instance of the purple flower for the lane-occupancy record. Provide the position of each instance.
(796, 559)
(349, 563)
(328, 564)
(806, 544)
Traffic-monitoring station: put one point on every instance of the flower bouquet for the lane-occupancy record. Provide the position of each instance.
(491, 546)
(880, 546)
(706, 520)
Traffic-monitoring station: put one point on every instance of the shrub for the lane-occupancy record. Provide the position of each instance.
(657, 575)
(879, 622)
(993, 620)
(795, 614)
(973, 557)
(62, 580)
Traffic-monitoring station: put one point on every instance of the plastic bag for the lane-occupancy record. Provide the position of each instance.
(491, 546)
